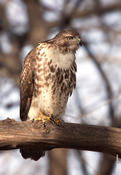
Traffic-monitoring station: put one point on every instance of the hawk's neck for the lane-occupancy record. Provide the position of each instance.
(62, 59)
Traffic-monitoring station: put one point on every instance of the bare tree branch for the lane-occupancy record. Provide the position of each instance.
(14, 135)
(105, 79)
(86, 13)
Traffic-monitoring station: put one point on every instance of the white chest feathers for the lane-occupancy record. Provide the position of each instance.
(62, 60)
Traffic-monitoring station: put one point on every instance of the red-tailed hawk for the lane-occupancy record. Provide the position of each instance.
(48, 78)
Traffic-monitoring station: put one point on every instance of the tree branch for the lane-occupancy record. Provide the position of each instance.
(14, 135)
(86, 13)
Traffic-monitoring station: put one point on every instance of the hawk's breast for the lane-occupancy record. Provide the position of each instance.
(54, 80)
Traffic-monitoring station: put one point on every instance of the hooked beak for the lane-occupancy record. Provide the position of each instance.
(80, 42)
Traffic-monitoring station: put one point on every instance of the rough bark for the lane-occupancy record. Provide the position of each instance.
(14, 135)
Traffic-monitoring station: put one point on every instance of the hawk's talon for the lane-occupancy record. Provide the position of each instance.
(44, 124)
(32, 120)
(56, 121)
(41, 120)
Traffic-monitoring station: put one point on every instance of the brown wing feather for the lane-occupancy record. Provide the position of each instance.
(27, 84)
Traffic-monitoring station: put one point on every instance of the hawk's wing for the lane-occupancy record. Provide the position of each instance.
(27, 84)
(26, 92)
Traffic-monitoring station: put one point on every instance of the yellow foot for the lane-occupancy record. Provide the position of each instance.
(42, 118)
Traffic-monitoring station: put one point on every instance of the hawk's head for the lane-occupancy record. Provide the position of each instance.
(68, 39)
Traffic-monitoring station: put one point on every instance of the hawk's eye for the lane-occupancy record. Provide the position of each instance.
(69, 37)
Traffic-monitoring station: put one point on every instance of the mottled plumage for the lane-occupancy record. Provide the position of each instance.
(49, 76)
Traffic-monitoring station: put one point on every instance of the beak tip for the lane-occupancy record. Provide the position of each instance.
(81, 43)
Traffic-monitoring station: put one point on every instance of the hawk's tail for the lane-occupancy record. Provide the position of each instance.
(31, 152)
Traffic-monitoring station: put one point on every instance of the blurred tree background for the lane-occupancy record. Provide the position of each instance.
(97, 97)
